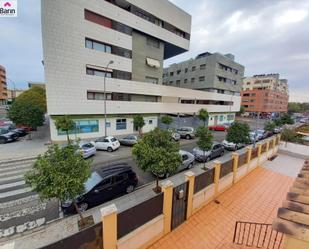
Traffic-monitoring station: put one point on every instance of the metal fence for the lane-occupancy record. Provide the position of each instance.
(203, 180)
(226, 168)
(139, 215)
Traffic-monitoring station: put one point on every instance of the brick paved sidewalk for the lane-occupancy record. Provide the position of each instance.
(255, 198)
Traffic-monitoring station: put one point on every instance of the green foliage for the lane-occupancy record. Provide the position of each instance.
(59, 173)
(203, 115)
(36, 96)
(286, 119)
(205, 138)
(242, 110)
(66, 124)
(288, 135)
(25, 113)
(238, 133)
(269, 126)
(167, 120)
(294, 107)
(138, 122)
(156, 153)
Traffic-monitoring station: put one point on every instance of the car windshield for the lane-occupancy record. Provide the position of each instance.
(3, 130)
(113, 139)
(92, 181)
(87, 146)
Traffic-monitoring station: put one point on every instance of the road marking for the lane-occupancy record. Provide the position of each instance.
(3, 175)
(8, 169)
(19, 201)
(13, 184)
(11, 178)
(15, 192)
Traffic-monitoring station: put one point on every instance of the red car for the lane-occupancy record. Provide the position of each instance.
(218, 127)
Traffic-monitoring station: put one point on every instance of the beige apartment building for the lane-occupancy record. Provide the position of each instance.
(265, 94)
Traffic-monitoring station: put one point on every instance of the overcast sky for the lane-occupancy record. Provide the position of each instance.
(266, 36)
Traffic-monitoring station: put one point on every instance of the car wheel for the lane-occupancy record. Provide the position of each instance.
(188, 137)
(130, 189)
(190, 166)
(110, 149)
(2, 140)
(83, 207)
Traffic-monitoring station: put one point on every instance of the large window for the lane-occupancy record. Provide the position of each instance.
(121, 124)
(152, 80)
(98, 46)
(97, 72)
(83, 126)
(152, 42)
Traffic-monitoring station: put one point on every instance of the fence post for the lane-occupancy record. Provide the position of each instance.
(167, 189)
(267, 148)
(274, 145)
(217, 166)
(249, 151)
(190, 177)
(259, 154)
(235, 157)
(109, 224)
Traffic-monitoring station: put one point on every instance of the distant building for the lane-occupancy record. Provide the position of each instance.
(265, 94)
(38, 84)
(207, 72)
(13, 94)
(3, 86)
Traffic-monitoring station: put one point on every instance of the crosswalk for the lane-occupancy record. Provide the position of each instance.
(20, 207)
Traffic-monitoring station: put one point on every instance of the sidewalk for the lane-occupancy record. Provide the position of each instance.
(255, 198)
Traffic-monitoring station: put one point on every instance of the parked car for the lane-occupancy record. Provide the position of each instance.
(129, 140)
(232, 146)
(21, 132)
(217, 150)
(186, 132)
(259, 134)
(87, 149)
(218, 127)
(187, 162)
(278, 130)
(103, 185)
(106, 143)
(7, 135)
(174, 135)
(252, 136)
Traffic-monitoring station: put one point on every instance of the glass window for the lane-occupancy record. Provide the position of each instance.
(89, 44)
(99, 47)
(193, 69)
(108, 124)
(150, 122)
(202, 78)
(121, 124)
(185, 81)
(108, 49)
(83, 126)
(203, 66)
(192, 80)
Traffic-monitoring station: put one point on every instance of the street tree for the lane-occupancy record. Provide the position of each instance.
(36, 96)
(238, 133)
(60, 173)
(203, 116)
(167, 120)
(156, 153)
(138, 122)
(25, 113)
(286, 119)
(241, 111)
(205, 140)
(65, 123)
(269, 126)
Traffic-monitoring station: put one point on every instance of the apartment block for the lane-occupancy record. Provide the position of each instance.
(265, 94)
(207, 72)
(119, 44)
(3, 86)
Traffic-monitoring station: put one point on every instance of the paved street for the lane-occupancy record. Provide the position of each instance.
(21, 209)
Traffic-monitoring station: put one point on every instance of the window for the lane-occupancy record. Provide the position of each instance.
(177, 82)
(108, 124)
(152, 80)
(171, 73)
(152, 42)
(192, 80)
(83, 126)
(203, 66)
(193, 68)
(171, 82)
(185, 81)
(186, 70)
(178, 71)
(150, 121)
(121, 177)
(121, 124)
(185, 157)
(98, 96)
(97, 72)
(202, 78)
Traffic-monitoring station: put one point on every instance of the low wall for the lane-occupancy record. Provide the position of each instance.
(142, 217)
(295, 150)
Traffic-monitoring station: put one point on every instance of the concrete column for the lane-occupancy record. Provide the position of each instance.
(167, 189)
(190, 177)
(109, 223)
(274, 145)
(235, 157)
(217, 166)
(259, 153)
(267, 149)
(249, 151)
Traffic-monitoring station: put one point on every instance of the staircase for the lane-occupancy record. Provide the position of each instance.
(257, 235)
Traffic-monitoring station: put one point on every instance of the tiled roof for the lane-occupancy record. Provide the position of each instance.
(293, 217)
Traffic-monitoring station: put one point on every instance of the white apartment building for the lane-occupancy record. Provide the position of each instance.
(82, 37)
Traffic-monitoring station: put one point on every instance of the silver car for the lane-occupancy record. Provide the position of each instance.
(129, 140)
(232, 146)
(186, 132)
(86, 149)
(217, 150)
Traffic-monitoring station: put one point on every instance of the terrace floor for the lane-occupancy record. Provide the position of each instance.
(255, 198)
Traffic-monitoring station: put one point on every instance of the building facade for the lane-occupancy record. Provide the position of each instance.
(3, 86)
(82, 38)
(207, 72)
(265, 94)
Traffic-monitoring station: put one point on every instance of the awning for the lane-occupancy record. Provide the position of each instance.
(153, 63)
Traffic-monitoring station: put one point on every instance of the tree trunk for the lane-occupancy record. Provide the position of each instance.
(68, 137)
(79, 212)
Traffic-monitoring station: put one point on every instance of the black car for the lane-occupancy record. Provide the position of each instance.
(21, 132)
(103, 185)
(7, 135)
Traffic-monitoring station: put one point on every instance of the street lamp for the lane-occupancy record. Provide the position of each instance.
(106, 68)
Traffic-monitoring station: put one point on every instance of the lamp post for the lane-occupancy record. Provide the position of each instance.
(105, 116)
